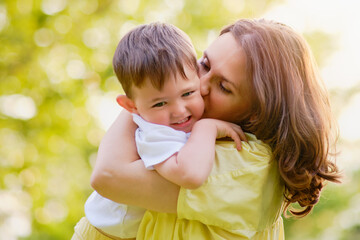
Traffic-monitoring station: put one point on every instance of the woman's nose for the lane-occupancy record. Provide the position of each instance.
(204, 85)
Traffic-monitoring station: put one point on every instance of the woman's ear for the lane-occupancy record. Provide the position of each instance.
(253, 117)
(126, 103)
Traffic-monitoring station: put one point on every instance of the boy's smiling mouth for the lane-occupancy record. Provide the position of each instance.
(183, 125)
(184, 120)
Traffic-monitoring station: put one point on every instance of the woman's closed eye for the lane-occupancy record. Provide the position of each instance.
(204, 63)
(223, 88)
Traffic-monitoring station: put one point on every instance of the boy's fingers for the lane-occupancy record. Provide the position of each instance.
(241, 133)
(237, 140)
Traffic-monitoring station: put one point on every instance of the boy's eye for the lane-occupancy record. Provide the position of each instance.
(187, 94)
(159, 104)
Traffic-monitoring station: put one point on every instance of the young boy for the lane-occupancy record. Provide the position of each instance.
(156, 66)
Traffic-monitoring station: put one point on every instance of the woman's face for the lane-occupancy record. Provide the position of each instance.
(224, 84)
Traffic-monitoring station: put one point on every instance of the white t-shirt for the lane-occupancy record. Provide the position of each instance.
(155, 143)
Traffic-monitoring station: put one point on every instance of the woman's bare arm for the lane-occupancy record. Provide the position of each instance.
(119, 175)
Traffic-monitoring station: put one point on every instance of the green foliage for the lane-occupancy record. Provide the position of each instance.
(55, 69)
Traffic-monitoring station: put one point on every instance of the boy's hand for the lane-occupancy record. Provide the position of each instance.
(227, 129)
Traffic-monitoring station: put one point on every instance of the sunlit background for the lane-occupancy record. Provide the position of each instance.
(57, 98)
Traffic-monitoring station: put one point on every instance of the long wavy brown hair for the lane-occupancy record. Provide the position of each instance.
(291, 111)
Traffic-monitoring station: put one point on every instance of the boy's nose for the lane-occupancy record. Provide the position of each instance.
(179, 109)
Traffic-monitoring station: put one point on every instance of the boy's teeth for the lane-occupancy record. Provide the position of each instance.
(184, 120)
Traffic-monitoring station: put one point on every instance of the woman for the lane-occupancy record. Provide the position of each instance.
(262, 76)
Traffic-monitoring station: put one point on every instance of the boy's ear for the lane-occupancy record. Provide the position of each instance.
(126, 103)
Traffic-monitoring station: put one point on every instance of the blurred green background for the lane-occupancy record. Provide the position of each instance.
(57, 98)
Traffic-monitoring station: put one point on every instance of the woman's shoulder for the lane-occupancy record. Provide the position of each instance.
(253, 153)
(253, 144)
(244, 192)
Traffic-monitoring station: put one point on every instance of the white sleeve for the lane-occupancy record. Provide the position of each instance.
(155, 143)
(113, 218)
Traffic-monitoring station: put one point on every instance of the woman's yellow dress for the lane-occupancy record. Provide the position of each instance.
(242, 199)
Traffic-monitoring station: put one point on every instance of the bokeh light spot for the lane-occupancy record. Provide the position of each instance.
(76, 69)
(24, 6)
(96, 37)
(27, 177)
(63, 24)
(350, 118)
(235, 6)
(128, 7)
(3, 18)
(44, 37)
(175, 5)
(51, 7)
(89, 6)
(18, 106)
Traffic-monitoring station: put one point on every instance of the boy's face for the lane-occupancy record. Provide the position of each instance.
(178, 105)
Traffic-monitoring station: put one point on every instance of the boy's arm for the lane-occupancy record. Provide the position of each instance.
(191, 166)
(120, 176)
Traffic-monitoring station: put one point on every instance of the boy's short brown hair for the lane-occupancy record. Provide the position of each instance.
(152, 51)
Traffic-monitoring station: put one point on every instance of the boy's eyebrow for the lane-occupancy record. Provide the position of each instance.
(157, 99)
(187, 89)
(219, 75)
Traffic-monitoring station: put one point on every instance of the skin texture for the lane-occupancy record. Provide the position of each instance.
(121, 177)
